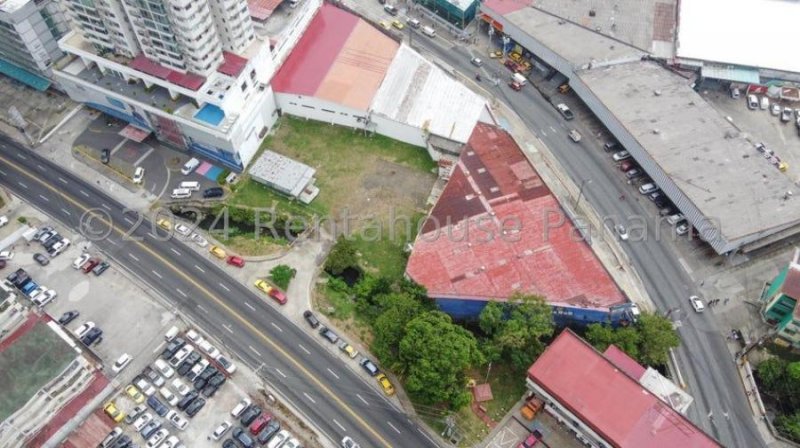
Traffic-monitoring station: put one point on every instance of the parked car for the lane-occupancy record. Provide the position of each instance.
(622, 232)
(221, 430)
(776, 109)
(135, 413)
(249, 415)
(282, 437)
(138, 175)
(176, 420)
(369, 366)
(311, 319)
(674, 219)
(620, 156)
(143, 420)
(150, 428)
(328, 334)
(682, 228)
(195, 407)
(235, 260)
(82, 258)
(168, 396)
(241, 436)
(41, 259)
(269, 432)
(218, 252)
(347, 348)
(100, 268)
(156, 439)
(240, 407)
(144, 386)
(259, 424)
(68, 317)
(89, 265)
(135, 394)
(764, 103)
(83, 329)
(187, 400)
(786, 114)
(121, 362)
(181, 229)
(648, 188)
(391, 10)
(156, 405)
(610, 146)
(752, 102)
(214, 192)
(105, 155)
(633, 173)
(386, 385)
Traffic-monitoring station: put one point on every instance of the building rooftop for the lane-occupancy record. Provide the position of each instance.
(574, 40)
(9, 6)
(706, 157)
(281, 172)
(730, 45)
(610, 402)
(468, 248)
(261, 10)
(186, 80)
(233, 64)
(624, 362)
(340, 58)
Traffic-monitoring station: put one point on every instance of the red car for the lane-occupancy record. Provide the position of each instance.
(259, 424)
(89, 265)
(236, 260)
(528, 442)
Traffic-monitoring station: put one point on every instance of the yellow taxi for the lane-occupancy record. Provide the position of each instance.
(264, 286)
(112, 411)
(388, 389)
(385, 25)
(164, 223)
(218, 252)
(398, 24)
(134, 394)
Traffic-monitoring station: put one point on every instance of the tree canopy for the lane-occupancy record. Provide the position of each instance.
(516, 329)
(648, 341)
(342, 257)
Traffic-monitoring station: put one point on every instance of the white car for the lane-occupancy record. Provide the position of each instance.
(138, 175)
(199, 367)
(682, 229)
(3, 220)
(83, 258)
(180, 387)
(622, 232)
(179, 357)
(145, 387)
(164, 369)
(182, 229)
(476, 62)
(193, 336)
(776, 109)
(752, 102)
(674, 219)
(43, 296)
(171, 442)
(279, 439)
(157, 438)
(648, 188)
(240, 407)
(221, 430)
(142, 420)
(6, 255)
(575, 136)
(121, 362)
(347, 442)
(697, 304)
(209, 349)
(199, 240)
(291, 443)
(169, 396)
(764, 103)
(176, 420)
(620, 156)
(83, 329)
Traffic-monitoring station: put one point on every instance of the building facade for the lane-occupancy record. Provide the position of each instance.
(779, 299)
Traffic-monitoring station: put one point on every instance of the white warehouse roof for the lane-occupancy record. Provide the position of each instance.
(282, 173)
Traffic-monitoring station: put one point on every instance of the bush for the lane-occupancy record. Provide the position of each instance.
(282, 275)
(343, 256)
(22, 220)
(221, 177)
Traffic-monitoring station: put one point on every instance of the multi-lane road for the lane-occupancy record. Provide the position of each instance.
(703, 357)
(320, 385)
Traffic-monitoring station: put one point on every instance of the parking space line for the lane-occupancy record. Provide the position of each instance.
(84, 193)
(22, 185)
(157, 349)
(279, 371)
(339, 425)
(304, 349)
(309, 398)
(181, 292)
(249, 306)
(44, 198)
(362, 399)
(254, 350)
(105, 207)
(227, 327)
(199, 269)
(390, 424)
(332, 373)
(174, 251)
(113, 243)
(133, 256)
(224, 287)
(202, 309)
(276, 327)
(63, 210)
(63, 181)
(156, 274)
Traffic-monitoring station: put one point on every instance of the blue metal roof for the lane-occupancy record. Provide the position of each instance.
(24, 76)
(731, 73)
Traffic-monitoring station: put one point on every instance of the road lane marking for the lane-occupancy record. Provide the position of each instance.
(227, 327)
(224, 287)
(156, 274)
(41, 167)
(332, 373)
(66, 212)
(44, 198)
(202, 309)
(153, 235)
(84, 193)
(113, 243)
(105, 207)
(276, 327)
(254, 350)
(553, 129)
(158, 348)
(362, 399)
(249, 306)
(304, 349)
(63, 181)
(181, 292)
(174, 251)
(22, 185)
(339, 425)
(309, 398)
(426, 436)
(129, 221)
(21, 156)
(199, 269)
(390, 424)
(279, 371)
(296, 362)
(3, 173)
(133, 256)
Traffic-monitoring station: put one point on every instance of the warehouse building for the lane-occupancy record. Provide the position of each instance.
(287, 176)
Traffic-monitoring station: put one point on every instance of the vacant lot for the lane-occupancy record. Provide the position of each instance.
(30, 363)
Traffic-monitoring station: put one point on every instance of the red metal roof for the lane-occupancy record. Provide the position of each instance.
(261, 9)
(610, 402)
(504, 7)
(187, 80)
(624, 362)
(233, 65)
(463, 252)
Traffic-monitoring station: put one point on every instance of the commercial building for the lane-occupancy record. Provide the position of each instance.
(29, 32)
(596, 398)
(287, 176)
(779, 304)
(497, 229)
(459, 13)
(192, 73)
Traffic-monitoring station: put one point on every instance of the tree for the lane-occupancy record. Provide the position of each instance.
(435, 354)
(657, 338)
(390, 326)
(771, 373)
(343, 256)
(789, 425)
(492, 318)
(282, 275)
(367, 292)
(516, 328)
(600, 336)
(626, 339)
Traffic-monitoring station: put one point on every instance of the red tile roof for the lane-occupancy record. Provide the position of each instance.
(504, 7)
(233, 65)
(463, 252)
(261, 9)
(187, 80)
(614, 405)
(624, 362)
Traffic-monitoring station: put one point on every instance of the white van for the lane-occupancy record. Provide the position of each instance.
(428, 31)
(413, 23)
(171, 333)
(190, 166)
(190, 185)
(181, 193)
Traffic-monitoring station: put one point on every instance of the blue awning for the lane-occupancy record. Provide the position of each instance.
(731, 73)
(24, 76)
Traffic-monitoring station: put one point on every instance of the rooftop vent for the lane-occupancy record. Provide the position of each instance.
(657, 92)
(592, 13)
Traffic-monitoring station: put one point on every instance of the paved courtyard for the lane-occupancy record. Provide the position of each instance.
(41, 110)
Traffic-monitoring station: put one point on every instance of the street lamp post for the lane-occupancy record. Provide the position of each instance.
(584, 182)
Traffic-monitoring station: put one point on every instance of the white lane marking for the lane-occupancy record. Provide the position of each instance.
(133, 256)
(249, 306)
(553, 129)
(174, 251)
(254, 350)
(426, 436)
(63, 181)
(199, 269)
(362, 399)
(63, 210)
(22, 185)
(224, 287)
(3, 173)
(153, 235)
(339, 425)
(84, 193)
(227, 327)
(156, 274)
(113, 243)
(202, 309)
(276, 327)
(309, 398)
(44, 198)
(21, 156)
(279, 371)
(128, 220)
(304, 349)
(181, 292)
(41, 167)
(158, 348)
(332, 373)
(105, 206)
(544, 134)
(390, 424)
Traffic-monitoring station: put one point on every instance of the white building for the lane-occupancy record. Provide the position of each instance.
(29, 33)
(191, 72)
(285, 175)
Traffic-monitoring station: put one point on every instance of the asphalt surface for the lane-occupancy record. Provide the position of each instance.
(703, 357)
(336, 400)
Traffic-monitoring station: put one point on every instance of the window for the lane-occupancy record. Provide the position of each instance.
(244, 86)
(309, 107)
(253, 74)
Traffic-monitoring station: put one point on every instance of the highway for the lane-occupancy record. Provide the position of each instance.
(332, 397)
(704, 359)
